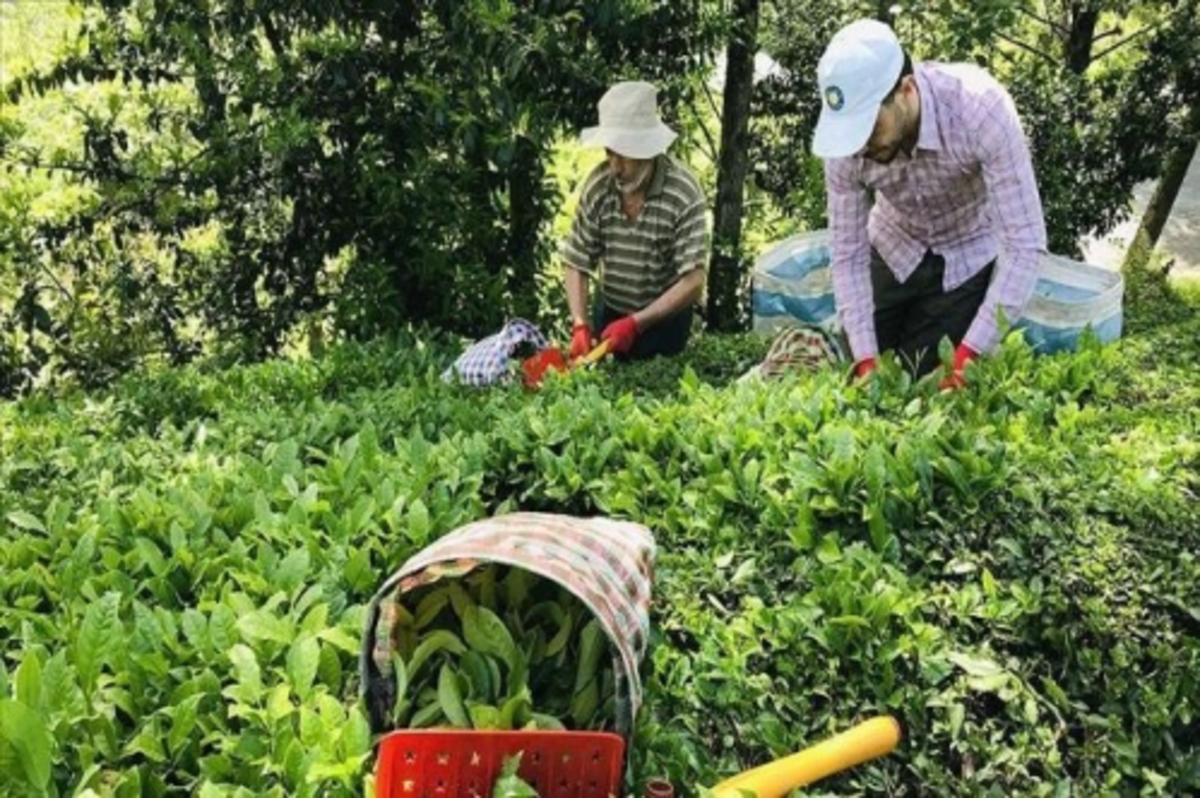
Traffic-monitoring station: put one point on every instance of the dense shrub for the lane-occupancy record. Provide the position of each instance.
(1010, 570)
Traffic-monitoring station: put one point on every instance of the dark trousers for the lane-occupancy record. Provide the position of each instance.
(912, 317)
(668, 337)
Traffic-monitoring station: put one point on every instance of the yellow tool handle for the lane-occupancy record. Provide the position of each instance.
(595, 355)
(866, 741)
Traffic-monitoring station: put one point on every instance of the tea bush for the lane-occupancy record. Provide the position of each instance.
(1010, 570)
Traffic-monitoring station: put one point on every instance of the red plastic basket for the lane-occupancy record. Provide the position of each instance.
(465, 764)
(535, 367)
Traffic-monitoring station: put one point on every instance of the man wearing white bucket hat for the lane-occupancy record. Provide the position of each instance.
(640, 229)
(929, 180)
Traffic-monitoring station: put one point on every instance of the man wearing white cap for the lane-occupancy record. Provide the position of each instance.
(640, 229)
(935, 221)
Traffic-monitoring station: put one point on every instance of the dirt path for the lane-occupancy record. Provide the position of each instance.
(1181, 236)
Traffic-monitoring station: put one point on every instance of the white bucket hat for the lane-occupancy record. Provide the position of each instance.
(629, 123)
(859, 68)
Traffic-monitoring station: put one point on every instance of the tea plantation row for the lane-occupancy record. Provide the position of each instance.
(1011, 570)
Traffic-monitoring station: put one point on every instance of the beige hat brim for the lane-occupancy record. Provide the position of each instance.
(641, 143)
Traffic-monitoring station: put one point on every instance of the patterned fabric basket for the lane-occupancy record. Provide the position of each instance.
(804, 348)
(607, 564)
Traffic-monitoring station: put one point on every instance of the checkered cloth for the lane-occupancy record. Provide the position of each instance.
(489, 360)
(607, 564)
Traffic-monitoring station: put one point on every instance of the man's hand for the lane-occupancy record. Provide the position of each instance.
(955, 379)
(864, 367)
(581, 340)
(621, 334)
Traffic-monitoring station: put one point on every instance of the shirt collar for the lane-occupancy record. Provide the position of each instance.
(929, 137)
(659, 179)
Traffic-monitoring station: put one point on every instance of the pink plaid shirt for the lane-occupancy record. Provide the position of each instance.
(966, 193)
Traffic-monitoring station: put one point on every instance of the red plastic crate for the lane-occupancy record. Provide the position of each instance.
(465, 764)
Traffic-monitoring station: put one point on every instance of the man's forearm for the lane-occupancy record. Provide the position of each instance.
(855, 302)
(1011, 289)
(675, 299)
(576, 284)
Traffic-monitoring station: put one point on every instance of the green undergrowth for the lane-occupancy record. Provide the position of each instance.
(1011, 570)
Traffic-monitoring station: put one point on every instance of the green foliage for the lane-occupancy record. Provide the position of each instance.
(509, 784)
(1010, 569)
(256, 169)
(224, 180)
(503, 649)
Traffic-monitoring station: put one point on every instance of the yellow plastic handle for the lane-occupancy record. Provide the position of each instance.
(866, 741)
(595, 355)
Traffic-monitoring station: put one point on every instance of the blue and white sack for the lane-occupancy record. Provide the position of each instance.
(1070, 297)
(793, 284)
(489, 361)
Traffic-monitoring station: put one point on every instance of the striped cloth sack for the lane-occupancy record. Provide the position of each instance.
(607, 564)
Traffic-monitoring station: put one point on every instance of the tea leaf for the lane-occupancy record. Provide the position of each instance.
(25, 520)
(303, 658)
(26, 732)
(450, 698)
(100, 636)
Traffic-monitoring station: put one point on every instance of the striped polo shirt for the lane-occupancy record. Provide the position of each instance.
(640, 259)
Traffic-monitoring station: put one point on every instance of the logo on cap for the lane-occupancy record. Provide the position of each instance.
(834, 98)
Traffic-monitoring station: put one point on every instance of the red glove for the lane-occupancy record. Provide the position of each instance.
(864, 367)
(954, 380)
(581, 340)
(621, 334)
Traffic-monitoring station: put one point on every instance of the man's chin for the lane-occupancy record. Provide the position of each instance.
(883, 158)
(635, 185)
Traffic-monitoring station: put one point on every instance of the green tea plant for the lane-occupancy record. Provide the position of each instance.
(1010, 570)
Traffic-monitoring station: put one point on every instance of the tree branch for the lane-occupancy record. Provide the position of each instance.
(33, 161)
(1179, 8)
(1131, 37)
(1058, 29)
(272, 33)
(712, 145)
(1047, 57)
(54, 279)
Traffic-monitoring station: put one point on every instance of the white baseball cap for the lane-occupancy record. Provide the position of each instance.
(629, 123)
(857, 71)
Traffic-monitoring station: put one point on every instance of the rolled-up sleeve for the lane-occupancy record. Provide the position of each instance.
(1017, 208)
(850, 251)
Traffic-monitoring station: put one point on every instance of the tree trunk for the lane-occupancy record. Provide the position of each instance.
(1158, 210)
(726, 277)
(525, 175)
(1081, 38)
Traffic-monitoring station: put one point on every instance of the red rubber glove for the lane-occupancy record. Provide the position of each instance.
(955, 379)
(581, 340)
(621, 334)
(864, 367)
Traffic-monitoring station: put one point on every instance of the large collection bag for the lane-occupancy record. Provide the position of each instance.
(792, 284)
